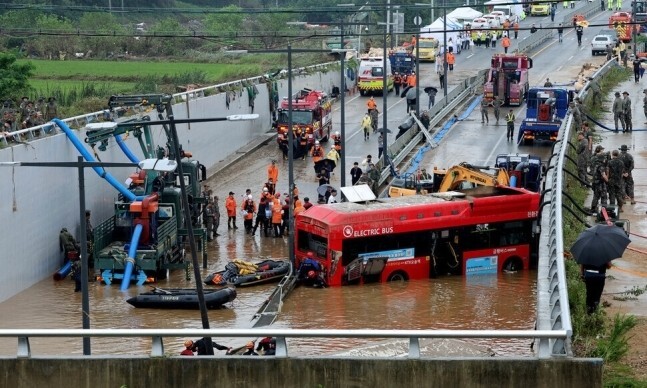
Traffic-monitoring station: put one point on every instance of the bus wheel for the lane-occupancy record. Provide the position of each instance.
(397, 276)
(512, 265)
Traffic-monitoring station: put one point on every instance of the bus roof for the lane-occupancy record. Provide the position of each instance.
(480, 205)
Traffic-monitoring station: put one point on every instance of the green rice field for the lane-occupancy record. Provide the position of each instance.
(130, 71)
(46, 87)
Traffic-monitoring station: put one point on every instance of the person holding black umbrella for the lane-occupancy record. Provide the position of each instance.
(594, 249)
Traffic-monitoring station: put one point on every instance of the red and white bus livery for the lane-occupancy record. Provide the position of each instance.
(475, 231)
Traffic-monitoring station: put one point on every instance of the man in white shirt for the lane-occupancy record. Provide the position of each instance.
(333, 197)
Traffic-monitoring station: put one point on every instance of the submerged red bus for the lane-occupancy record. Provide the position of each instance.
(475, 231)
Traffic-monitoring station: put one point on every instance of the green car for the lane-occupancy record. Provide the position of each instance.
(540, 10)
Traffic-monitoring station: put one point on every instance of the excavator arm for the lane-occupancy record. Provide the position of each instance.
(464, 172)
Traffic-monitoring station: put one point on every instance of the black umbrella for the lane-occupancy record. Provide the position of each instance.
(328, 163)
(600, 244)
(430, 88)
(411, 93)
(321, 190)
(381, 130)
(404, 91)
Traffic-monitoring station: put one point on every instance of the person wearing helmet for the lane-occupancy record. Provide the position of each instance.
(317, 154)
(188, 345)
(250, 349)
(337, 141)
(248, 210)
(310, 272)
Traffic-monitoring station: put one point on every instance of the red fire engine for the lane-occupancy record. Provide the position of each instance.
(508, 78)
(311, 112)
(621, 22)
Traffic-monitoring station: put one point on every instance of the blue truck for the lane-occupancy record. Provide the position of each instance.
(544, 114)
(402, 61)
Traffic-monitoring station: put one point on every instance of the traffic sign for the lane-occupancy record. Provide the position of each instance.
(417, 20)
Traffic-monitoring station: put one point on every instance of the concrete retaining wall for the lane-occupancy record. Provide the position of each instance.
(261, 372)
(38, 202)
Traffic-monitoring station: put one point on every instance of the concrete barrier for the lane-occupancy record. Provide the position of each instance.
(271, 372)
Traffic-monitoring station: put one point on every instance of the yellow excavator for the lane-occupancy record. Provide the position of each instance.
(457, 177)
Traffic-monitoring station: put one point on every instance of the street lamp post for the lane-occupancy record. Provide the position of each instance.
(445, 49)
(342, 111)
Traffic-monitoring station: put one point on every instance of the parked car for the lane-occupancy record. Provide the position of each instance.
(599, 44)
(480, 23)
(542, 9)
(493, 20)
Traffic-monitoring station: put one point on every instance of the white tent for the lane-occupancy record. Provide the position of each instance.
(435, 30)
(464, 14)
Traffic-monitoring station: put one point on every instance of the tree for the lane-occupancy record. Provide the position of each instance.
(14, 77)
(270, 26)
(226, 23)
(101, 23)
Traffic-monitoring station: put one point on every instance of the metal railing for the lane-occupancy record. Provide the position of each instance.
(157, 336)
(553, 309)
(399, 149)
(76, 122)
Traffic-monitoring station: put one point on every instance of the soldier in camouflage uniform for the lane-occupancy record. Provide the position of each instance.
(209, 219)
(618, 112)
(626, 109)
(496, 103)
(577, 116)
(600, 178)
(597, 93)
(616, 172)
(582, 157)
(628, 160)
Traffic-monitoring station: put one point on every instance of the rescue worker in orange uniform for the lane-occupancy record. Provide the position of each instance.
(230, 205)
(336, 138)
(273, 172)
(411, 79)
(249, 207)
(451, 60)
(276, 215)
(397, 81)
(317, 155)
(370, 104)
(505, 42)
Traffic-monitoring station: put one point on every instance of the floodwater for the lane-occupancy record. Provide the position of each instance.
(504, 301)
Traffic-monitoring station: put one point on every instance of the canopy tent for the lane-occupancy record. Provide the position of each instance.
(464, 14)
(435, 30)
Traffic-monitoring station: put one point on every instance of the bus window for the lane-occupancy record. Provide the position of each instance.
(311, 242)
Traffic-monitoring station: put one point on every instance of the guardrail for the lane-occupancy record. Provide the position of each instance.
(553, 311)
(405, 143)
(76, 122)
(157, 336)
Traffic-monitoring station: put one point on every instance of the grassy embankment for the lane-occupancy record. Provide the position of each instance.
(82, 86)
(595, 335)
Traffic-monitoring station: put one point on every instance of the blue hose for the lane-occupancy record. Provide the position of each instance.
(100, 171)
(513, 181)
(130, 260)
(126, 150)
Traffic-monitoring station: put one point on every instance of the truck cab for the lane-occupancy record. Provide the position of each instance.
(546, 110)
(508, 78)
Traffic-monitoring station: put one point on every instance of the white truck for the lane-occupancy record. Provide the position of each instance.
(512, 12)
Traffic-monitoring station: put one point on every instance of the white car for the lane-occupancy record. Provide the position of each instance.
(493, 20)
(480, 23)
(600, 42)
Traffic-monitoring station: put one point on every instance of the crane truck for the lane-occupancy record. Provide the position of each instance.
(150, 212)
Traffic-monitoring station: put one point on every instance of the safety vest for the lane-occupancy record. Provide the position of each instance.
(509, 117)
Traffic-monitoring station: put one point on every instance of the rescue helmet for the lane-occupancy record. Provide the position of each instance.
(250, 197)
(336, 133)
(309, 255)
(250, 345)
(316, 142)
(265, 189)
(188, 343)
(311, 274)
